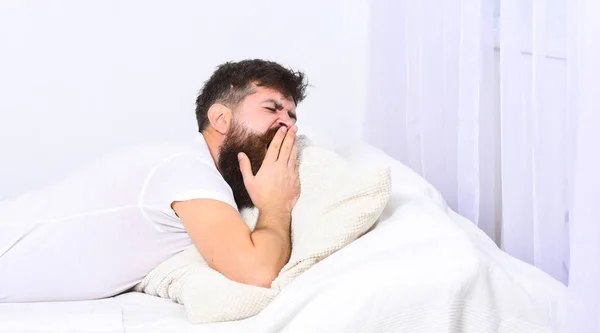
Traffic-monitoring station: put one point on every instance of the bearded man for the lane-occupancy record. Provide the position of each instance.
(101, 230)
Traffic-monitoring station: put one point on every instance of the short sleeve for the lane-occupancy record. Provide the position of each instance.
(182, 177)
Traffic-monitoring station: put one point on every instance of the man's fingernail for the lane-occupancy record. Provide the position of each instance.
(283, 129)
(240, 156)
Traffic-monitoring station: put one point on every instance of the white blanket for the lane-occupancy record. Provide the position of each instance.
(423, 268)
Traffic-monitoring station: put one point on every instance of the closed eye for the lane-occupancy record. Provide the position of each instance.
(290, 114)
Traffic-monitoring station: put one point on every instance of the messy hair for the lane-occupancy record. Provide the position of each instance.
(233, 81)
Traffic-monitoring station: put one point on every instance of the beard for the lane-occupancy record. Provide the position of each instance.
(254, 145)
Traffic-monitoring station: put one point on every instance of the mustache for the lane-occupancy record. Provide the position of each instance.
(256, 148)
(270, 134)
(250, 144)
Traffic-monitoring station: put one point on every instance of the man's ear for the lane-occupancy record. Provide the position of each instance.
(220, 117)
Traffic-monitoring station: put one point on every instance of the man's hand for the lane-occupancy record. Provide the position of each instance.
(276, 186)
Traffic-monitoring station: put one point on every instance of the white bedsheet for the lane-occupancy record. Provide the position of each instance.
(64, 317)
(421, 269)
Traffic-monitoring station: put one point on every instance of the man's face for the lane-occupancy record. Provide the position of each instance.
(254, 124)
(265, 109)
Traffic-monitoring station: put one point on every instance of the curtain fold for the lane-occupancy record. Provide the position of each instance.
(469, 89)
(385, 122)
(584, 278)
(516, 148)
(489, 130)
(534, 132)
(549, 146)
(447, 182)
(414, 82)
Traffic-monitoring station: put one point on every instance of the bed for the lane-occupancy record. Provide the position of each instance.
(422, 268)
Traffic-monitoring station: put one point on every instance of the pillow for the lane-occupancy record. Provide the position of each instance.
(337, 204)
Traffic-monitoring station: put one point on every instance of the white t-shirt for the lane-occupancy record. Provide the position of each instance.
(100, 231)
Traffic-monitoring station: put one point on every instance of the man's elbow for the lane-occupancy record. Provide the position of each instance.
(261, 277)
(247, 268)
(250, 274)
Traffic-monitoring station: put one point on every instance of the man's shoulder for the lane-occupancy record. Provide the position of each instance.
(183, 172)
(180, 159)
(158, 153)
(183, 155)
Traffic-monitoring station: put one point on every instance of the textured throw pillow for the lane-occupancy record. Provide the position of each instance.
(337, 205)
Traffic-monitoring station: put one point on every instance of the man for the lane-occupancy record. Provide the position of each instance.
(101, 230)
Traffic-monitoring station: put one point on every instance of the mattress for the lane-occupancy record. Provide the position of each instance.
(422, 268)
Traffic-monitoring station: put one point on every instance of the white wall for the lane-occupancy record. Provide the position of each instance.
(78, 78)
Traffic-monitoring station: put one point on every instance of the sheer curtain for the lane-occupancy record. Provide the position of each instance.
(496, 103)
(431, 98)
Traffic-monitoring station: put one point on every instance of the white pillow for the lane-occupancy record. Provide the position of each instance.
(337, 205)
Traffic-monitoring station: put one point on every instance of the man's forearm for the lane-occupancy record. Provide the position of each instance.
(271, 240)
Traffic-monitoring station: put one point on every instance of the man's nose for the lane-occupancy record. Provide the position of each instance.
(285, 120)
